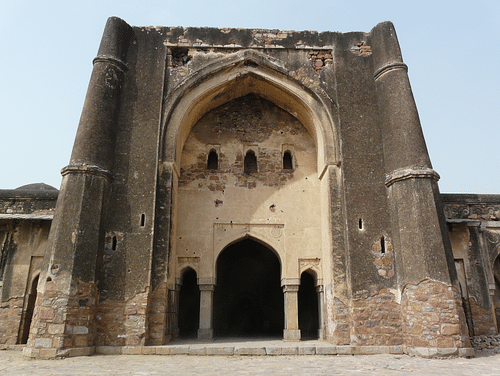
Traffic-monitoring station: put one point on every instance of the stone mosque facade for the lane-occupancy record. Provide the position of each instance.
(248, 183)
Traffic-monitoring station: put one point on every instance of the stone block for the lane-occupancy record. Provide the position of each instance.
(162, 350)
(46, 314)
(148, 350)
(445, 351)
(47, 353)
(179, 350)
(273, 350)
(396, 349)
(81, 341)
(29, 352)
(81, 351)
(328, 350)
(80, 330)
(292, 350)
(132, 350)
(466, 352)
(450, 329)
(205, 334)
(108, 350)
(307, 350)
(197, 350)
(56, 328)
(43, 342)
(342, 350)
(249, 351)
(371, 350)
(291, 335)
(227, 351)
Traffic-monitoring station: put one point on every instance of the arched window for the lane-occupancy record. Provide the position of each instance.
(287, 161)
(213, 160)
(250, 162)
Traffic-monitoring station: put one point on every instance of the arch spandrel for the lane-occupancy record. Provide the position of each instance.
(243, 73)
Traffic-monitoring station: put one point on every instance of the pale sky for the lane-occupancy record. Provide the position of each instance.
(451, 49)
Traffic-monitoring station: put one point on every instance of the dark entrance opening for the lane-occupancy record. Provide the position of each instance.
(248, 298)
(189, 305)
(308, 307)
(28, 313)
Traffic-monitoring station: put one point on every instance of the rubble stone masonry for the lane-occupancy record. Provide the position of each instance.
(123, 323)
(61, 321)
(10, 317)
(482, 318)
(376, 320)
(433, 316)
(157, 317)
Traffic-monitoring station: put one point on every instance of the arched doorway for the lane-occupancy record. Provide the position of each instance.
(24, 329)
(189, 305)
(308, 307)
(248, 298)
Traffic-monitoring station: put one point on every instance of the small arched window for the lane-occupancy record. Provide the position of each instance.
(213, 160)
(250, 163)
(287, 161)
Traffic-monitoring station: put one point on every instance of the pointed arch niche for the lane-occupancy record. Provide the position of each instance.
(235, 76)
(242, 73)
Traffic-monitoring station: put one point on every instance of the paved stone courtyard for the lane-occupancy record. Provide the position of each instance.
(485, 363)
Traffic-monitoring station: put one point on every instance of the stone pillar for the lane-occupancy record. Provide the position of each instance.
(291, 291)
(175, 308)
(64, 316)
(321, 319)
(206, 330)
(422, 247)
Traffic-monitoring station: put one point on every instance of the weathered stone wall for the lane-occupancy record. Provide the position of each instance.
(433, 316)
(123, 323)
(25, 220)
(10, 318)
(37, 199)
(341, 323)
(251, 121)
(482, 318)
(63, 321)
(158, 316)
(471, 206)
(376, 320)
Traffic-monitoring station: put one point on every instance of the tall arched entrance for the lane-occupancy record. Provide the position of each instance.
(189, 305)
(248, 298)
(308, 307)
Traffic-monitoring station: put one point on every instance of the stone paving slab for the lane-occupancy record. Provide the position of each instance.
(12, 363)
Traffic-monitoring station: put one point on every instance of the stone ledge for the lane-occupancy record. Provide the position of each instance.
(12, 347)
(49, 353)
(220, 350)
(439, 352)
(245, 350)
(250, 350)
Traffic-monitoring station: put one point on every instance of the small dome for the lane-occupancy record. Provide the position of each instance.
(36, 187)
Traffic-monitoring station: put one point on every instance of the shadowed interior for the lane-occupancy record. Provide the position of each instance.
(248, 299)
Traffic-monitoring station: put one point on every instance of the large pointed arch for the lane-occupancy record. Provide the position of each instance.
(242, 73)
(248, 298)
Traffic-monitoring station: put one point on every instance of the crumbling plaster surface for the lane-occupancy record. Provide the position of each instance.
(216, 208)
